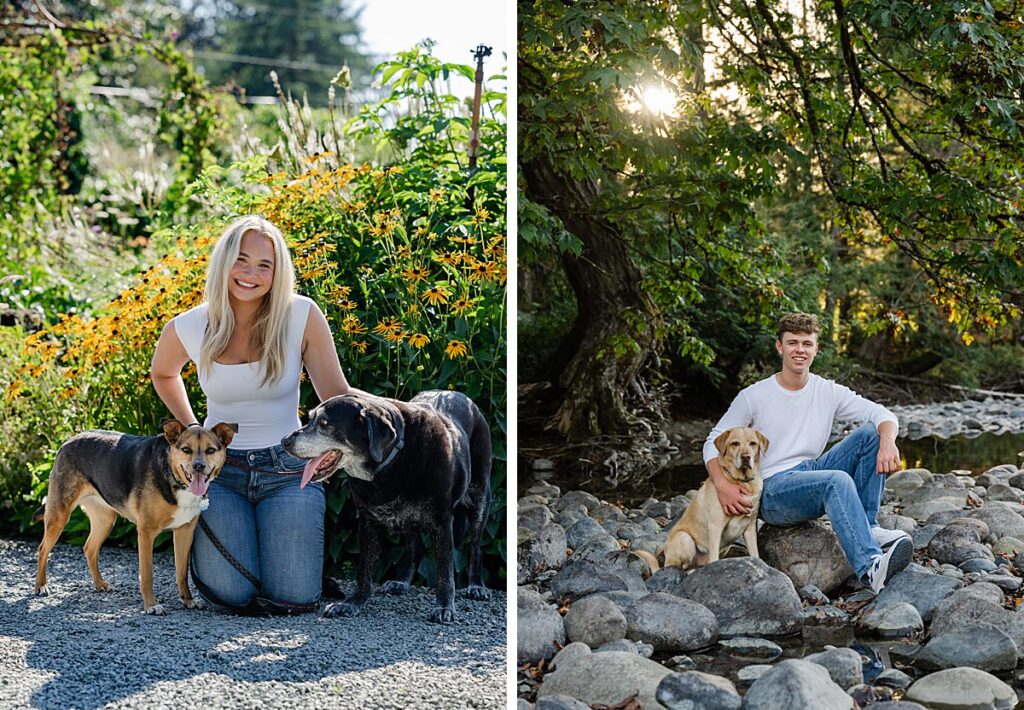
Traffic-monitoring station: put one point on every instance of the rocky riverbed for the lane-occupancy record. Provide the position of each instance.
(777, 632)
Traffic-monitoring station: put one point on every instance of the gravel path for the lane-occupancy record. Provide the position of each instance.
(84, 649)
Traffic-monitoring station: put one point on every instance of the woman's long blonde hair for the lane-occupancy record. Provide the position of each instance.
(270, 330)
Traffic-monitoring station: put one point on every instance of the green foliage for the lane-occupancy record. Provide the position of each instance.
(906, 110)
(36, 161)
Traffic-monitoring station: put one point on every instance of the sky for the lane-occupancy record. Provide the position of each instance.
(457, 26)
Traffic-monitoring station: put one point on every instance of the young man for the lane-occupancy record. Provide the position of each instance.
(794, 410)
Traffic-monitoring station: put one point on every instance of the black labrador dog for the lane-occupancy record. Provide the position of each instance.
(412, 466)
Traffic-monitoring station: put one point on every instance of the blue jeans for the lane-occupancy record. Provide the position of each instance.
(844, 483)
(270, 526)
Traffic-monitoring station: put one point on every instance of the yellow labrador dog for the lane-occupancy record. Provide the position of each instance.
(705, 531)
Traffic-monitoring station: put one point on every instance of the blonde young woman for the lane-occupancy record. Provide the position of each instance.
(259, 545)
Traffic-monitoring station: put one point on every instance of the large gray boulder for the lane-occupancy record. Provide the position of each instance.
(967, 613)
(923, 511)
(541, 549)
(533, 516)
(606, 679)
(582, 579)
(571, 499)
(594, 621)
(903, 482)
(539, 628)
(962, 689)
(670, 623)
(747, 597)
(919, 588)
(582, 531)
(1002, 520)
(957, 543)
(844, 665)
(894, 620)
(929, 494)
(693, 690)
(796, 684)
(595, 549)
(786, 548)
(984, 648)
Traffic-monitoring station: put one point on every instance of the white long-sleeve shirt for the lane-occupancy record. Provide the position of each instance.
(797, 423)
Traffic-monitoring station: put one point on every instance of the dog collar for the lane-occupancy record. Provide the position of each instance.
(391, 456)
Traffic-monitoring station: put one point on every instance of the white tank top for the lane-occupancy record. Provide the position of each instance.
(264, 413)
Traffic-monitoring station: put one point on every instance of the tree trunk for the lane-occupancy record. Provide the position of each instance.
(615, 321)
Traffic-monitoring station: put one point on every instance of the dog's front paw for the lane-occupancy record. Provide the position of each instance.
(443, 614)
(193, 603)
(156, 610)
(104, 586)
(341, 609)
(43, 591)
(479, 594)
(393, 586)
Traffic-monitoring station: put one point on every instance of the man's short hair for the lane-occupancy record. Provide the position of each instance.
(798, 323)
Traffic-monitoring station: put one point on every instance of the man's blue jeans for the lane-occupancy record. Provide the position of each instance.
(843, 483)
(274, 529)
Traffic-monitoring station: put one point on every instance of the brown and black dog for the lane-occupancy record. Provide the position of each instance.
(158, 482)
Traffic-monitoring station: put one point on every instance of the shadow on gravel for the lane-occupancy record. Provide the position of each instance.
(101, 648)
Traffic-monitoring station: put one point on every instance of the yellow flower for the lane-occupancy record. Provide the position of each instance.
(415, 273)
(403, 252)
(448, 257)
(341, 292)
(388, 327)
(455, 349)
(462, 305)
(418, 340)
(347, 305)
(359, 345)
(433, 296)
(395, 337)
(496, 246)
(436, 194)
(313, 274)
(464, 240)
(484, 271)
(352, 325)
(482, 214)
(13, 390)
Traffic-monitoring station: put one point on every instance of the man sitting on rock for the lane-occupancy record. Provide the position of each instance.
(795, 410)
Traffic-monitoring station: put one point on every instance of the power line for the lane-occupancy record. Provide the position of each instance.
(268, 61)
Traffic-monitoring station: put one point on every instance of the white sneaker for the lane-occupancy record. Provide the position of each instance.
(886, 565)
(886, 538)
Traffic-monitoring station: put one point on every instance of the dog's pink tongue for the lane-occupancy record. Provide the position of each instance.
(310, 469)
(198, 485)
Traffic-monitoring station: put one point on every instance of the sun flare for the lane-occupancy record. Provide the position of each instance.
(655, 99)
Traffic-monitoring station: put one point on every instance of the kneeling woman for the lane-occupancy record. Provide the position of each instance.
(259, 545)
